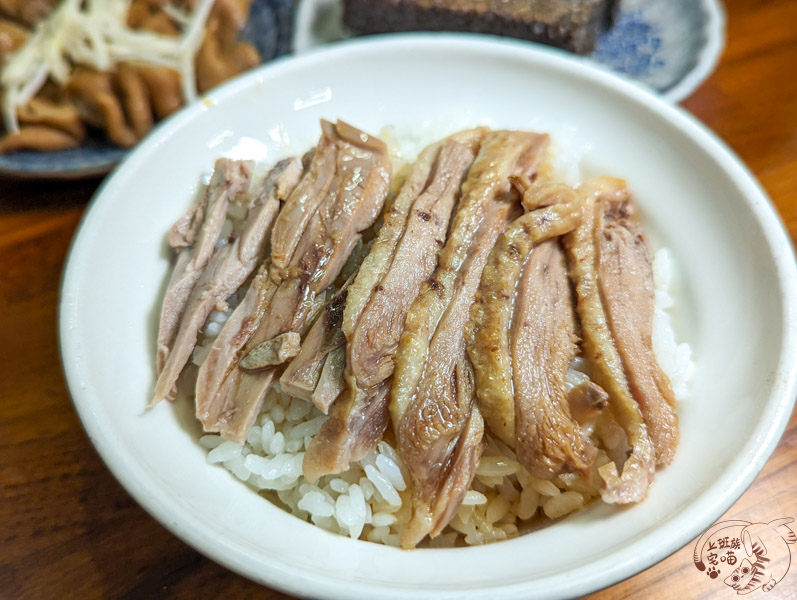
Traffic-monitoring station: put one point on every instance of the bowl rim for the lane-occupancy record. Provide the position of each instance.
(714, 501)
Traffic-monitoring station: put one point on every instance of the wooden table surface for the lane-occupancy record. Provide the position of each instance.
(68, 528)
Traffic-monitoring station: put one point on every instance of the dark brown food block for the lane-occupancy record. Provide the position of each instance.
(569, 24)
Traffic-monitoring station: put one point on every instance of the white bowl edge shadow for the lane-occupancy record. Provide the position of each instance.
(245, 557)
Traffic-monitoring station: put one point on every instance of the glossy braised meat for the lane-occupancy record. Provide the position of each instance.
(521, 337)
(491, 316)
(319, 164)
(350, 205)
(323, 344)
(625, 276)
(598, 348)
(227, 270)
(403, 255)
(441, 429)
(437, 427)
(543, 343)
(195, 236)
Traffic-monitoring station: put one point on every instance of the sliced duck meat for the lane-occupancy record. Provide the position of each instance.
(376, 335)
(587, 401)
(441, 422)
(196, 236)
(320, 164)
(273, 352)
(521, 338)
(437, 426)
(491, 316)
(301, 377)
(403, 255)
(353, 202)
(543, 343)
(383, 250)
(228, 346)
(625, 276)
(599, 350)
(227, 270)
(503, 154)
(330, 382)
(308, 195)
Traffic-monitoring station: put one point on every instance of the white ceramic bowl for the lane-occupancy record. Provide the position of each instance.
(738, 302)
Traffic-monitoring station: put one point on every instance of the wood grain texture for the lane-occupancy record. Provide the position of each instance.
(68, 529)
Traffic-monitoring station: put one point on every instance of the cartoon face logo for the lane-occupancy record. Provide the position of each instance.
(761, 550)
(745, 578)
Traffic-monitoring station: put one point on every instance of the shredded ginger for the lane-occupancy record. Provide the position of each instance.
(95, 33)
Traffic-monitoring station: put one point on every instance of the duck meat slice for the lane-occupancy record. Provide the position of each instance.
(599, 350)
(330, 382)
(227, 269)
(352, 204)
(273, 352)
(625, 277)
(320, 164)
(439, 432)
(376, 335)
(503, 154)
(307, 196)
(301, 377)
(403, 255)
(428, 183)
(488, 330)
(548, 439)
(228, 346)
(437, 426)
(196, 235)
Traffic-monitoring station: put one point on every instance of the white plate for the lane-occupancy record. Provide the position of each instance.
(738, 301)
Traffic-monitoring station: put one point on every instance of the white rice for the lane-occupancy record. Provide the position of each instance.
(675, 359)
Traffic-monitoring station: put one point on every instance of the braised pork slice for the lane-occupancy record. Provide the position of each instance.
(625, 276)
(437, 426)
(404, 254)
(599, 350)
(352, 204)
(227, 269)
(196, 235)
(488, 329)
(302, 376)
(548, 439)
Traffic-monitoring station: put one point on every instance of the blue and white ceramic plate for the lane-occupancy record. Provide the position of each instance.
(268, 29)
(670, 46)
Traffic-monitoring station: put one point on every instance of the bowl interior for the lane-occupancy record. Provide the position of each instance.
(735, 295)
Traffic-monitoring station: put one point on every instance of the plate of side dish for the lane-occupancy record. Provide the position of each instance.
(75, 102)
(670, 47)
(421, 201)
